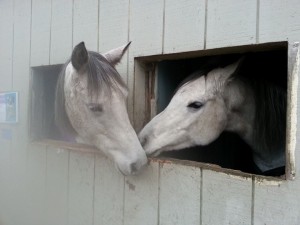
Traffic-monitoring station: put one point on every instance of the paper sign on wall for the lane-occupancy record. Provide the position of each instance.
(9, 107)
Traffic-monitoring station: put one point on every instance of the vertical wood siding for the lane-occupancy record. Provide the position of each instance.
(48, 185)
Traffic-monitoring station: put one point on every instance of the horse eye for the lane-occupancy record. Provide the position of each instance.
(195, 105)
(95, 107)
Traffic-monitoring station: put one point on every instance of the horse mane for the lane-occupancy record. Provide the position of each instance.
(101, 75)
(269, 84)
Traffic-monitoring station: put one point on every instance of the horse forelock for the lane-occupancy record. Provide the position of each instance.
(101, 75)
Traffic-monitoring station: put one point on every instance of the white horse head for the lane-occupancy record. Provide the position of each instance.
(91, 104)
(208, 104)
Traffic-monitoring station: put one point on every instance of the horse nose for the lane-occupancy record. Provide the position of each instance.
(133, 168)
(144, 141)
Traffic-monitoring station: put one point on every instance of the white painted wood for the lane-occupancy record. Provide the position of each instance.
(35, 188)
(230, 23)
(109, 193)
(6, 43)
(113, 29)
(226, 199)
(146, 34)
(141, 197)
(272, 21)
(5, 194)
(40, 32)
(292, 107)
(20, 78)
(61, 31)
(81, 188)
(85, 23)
(293, 21)
(179, 197)
(184, 25)
(57, 186)
(276, 205)
(146, 27)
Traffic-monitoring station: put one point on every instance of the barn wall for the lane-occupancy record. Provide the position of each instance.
(45, 184)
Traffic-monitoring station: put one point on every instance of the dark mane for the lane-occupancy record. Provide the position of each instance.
(100, 75)
(267, 75)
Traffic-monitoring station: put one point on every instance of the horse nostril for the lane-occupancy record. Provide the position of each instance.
(144, 141)
(133, 167)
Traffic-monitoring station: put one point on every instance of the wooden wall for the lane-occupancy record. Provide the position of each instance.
(50, 184)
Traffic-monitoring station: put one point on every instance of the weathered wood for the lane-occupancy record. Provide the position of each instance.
(5, 194)
(57, 186)
(141, 197)
(272, 21)
(81, 188)
(277, 204)
(226, 199)
(35, 187)
(184, 26)
(140, 96)
(40, 32)
(85, 23)
(21, 80)
(146, 27)
(113, 29)
(146, 34)
(292, 108)
(6, 44)
(109, 192)
(180, 194)
(230, 23)
(293, 20)
(61, 31)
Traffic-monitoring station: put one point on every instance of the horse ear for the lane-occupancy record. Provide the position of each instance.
(79, 56)
(114, 56)
(232, 68)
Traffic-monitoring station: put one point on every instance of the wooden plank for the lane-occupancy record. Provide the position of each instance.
(36, 185)
(293, 20)
(226, 199)
(277, 204)
(230, 23)
(20, 78)
(146, 27)
(81, 188)
(113, 29)
(5, 194)
(179, 198)
(85, 23)
(146, 34)
(141, 197)
(61, 31)
(109, 192)
(40, 32)
(57, 175)
(140, 96)
(6, 44)
(272, 21)
(184, 26)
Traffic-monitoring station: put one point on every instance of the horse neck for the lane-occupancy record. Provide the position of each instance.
(241, 119)
(240, 103)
